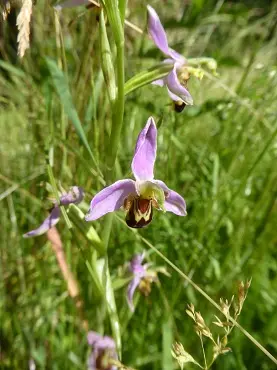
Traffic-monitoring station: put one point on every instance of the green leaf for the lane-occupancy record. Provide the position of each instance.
(119, 283)
(112, 10)
(105, 278)
(62, 87)
(77, 217)
(106, 59)
(146, 77)
(11, 69)
(167, 361)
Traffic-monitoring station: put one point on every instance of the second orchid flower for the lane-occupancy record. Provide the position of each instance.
(176, 80)
(74, 196)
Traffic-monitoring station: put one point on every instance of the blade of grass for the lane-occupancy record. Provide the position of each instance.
(167, 361)
(204, 294)
(62, 87)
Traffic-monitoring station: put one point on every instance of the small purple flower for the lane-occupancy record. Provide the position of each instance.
(75, 196)
(139, 197)
(139, 271)
(143, 277)
(176, 90)
(104, 349)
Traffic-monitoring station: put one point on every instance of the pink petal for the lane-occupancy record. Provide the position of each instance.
(157, 31)
(49, 222)
(158, 35)
(159, 82)
(176, 88)
(75, 195)
(173, 96)
(110, 198)
(131, 290)
(145, 152)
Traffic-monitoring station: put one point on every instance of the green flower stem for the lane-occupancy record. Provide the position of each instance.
(114, 141)
(146, 77)
(118, 108)
(106, 59)
(122, 9)
(107, 230)
(87, 229)
(56, 194)
(116, 21)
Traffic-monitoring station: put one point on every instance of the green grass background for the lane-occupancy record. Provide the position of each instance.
(219, 154)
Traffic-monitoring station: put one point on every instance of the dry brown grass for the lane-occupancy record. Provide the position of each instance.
(23, 23)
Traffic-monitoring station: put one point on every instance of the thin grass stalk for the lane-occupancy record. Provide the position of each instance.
(227, 211)
(63, 66)
(205, 295)
(13, 239)
(17, 186)
(118, 112)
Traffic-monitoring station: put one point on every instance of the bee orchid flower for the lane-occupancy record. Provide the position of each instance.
(139, 197)
(143, 277)
(75, 196)
(139, 272)
(104, 350)
(176, 89)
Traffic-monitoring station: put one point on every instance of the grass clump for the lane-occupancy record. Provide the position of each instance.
(220, 154)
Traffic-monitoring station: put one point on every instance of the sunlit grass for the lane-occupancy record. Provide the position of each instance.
(219, 154)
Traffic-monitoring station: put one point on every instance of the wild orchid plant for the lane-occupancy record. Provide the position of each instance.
(139, 272)
(143, 276)
(176, 80)
(103, 352)
(140, 196)
(137, 197)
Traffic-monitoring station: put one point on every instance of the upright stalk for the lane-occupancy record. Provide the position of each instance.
(117, 121)
(118, 111)
(116, 21)
(122, 9)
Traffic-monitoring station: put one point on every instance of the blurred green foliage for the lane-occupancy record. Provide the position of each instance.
(220, 154)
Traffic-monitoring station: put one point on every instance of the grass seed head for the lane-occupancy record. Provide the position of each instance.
(182, 356)
(23, 23)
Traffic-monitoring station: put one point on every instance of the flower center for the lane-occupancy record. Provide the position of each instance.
(179, 106)
(145, 283)
(145, 287)
(139, 211)
(183, 76)
(143, 205)
(140, 207)
(103, 360)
